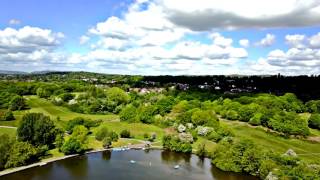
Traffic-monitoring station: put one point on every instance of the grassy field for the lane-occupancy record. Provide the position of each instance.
(46, 107)
(10, 131)
(136, 129)
(305, 149)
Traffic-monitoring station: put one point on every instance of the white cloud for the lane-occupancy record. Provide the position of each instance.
(200, 15)
(296, 40)
(84, 39)
(244, 43)
(14, 22)
(314, 41)
(267, 41)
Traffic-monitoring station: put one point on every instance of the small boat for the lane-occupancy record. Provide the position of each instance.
(132, 161)
(176, 166)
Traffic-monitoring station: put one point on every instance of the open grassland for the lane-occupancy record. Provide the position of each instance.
(137, 130)
(10, 131)
(307, 150)
(39, 105)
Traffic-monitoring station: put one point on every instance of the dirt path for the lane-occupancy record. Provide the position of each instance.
(11, 127)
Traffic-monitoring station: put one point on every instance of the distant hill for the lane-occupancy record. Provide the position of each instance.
(12, 72)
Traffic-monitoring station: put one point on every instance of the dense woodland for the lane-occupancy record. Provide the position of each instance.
(193, 106)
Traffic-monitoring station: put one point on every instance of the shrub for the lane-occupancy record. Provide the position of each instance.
(125, 134)
(175, 144)
(22, 153)
(101, 133)
(17, 103)
(256, 119)
(107, 141)
(72, 146)
(7, 116)
(314, 121)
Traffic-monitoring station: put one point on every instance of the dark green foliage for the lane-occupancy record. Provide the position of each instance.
(36, 129)
(128, 113)
(175, 144)
(289, 123)
(6, 116)
(238, 156)
(125, 134)
(66, 97)
(5, 145)
(22, 153)
(165, 104)
(81, 121)
(17, 103)
(314, 121)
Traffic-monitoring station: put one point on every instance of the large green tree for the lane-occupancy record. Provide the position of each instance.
(37, 129)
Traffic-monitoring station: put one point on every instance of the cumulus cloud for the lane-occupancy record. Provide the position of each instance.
(303, 57)
(267, 41)
(296, 40)
(83, 39)
(244, 42)
(201, 15)
(29, 47)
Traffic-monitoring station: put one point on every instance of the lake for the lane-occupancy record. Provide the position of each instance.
(132, 164)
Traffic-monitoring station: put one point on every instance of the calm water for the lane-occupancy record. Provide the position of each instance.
(154, 164)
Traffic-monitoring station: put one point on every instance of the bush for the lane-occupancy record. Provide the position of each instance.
(175, 144)
(72, 146)
(17, 103)
(7, 116)
(125, 134)
(81, 121)
(314, 121)
(205, 117)
(232, 115)
(256, 119)
(107, 141)
(201, 150)
(22, 153)
(101, 133)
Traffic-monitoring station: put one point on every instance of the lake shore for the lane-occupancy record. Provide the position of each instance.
(54, 159)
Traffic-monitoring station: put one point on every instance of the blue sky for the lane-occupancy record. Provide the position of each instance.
(161, 36)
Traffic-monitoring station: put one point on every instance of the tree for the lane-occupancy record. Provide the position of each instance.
(314, 121)
(289, 123)
(201, 151)
(205, 117)
(165, 104)
(77, 141)
(43, 92)
(17, 103)
(22, 153)
(37, 129)
(128, 113)
(72, 146)
(117, 95)
(146, 114)
(66, 97)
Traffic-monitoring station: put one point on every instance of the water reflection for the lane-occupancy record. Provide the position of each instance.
(153, 164)
(106, 155)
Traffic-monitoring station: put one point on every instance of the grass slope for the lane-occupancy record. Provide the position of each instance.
(39, 105)
(10, 131)
(307, 150)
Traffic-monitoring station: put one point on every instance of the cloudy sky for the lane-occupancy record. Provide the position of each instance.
(156, 37)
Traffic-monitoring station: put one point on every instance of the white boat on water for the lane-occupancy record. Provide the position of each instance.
(132, 161)
(176, 166)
